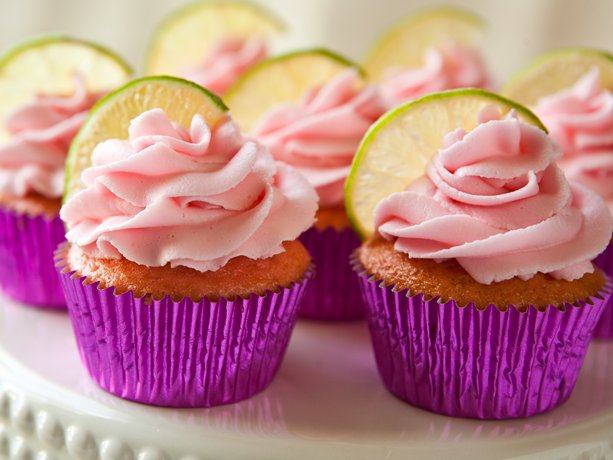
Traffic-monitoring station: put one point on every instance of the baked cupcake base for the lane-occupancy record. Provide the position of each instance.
(241, 276)
(179, 353)
(604, 328)
(476, 361)
(448, 277)
(27, 243)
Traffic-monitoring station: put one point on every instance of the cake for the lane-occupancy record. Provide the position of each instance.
(182, 253)
(315, 123)
(41, 119)
(480, 265)
(212, 43)
(432, 50)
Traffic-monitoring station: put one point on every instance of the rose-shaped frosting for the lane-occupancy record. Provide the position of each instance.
(580, 119)
(195, 198)
(494, 200)
(452, 66)
(32, 160)
(226, 62)
(320, 135)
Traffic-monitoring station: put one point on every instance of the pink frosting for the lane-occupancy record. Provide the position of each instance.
(32, 160)
(195, 198)
(226, 62)
(320, 135)
(452, 66)
(580, 119)
(494, 200)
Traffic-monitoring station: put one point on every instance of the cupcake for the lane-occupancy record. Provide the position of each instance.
(318, 132)
(481, 295)
(39, 124)
(212, 43)
(182, 271)
(434, 50)
(576, 106)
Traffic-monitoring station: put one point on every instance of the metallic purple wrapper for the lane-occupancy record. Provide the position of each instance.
(485, 364)
(604, 328)
(334, 294)
(185, 353)
(27, 272)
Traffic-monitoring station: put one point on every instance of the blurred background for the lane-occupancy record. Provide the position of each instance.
(518, 29)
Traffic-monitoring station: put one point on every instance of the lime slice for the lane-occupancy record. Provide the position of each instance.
(283, 79)
(397, 148)
(111, 116)
(48, 65)
(557, 70)
(404, 44)
(186, 37)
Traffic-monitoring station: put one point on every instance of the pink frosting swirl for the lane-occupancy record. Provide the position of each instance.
(320, 135)
(195, 198)
(494, 200)
(32, 160)
(227, 61)
(580, 119)
(449, 67)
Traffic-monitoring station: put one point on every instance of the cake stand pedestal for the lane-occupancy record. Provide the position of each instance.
(327, 402)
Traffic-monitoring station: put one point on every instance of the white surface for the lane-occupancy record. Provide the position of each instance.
(327, 402)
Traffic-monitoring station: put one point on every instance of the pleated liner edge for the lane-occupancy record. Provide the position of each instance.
(27, 272)
(485, 364)
(334, 294)
(180, 353)
(604, 328)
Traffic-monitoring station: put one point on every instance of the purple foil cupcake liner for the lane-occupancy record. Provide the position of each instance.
(604, 328)
(485, 364)
(335, 292)
(180, 353)
(27, 271)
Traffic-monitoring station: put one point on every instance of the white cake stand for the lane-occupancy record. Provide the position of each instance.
(327, 402)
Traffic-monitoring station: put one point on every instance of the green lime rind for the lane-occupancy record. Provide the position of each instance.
(42, 40)
(262, 65)
(378, 128)
(541, 77)
(401, 31)
(158, 78)
(75, 163)
(188, 10)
